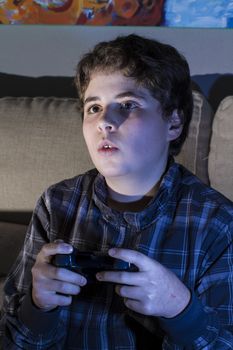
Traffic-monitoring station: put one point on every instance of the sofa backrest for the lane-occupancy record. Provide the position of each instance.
(41, 143)
(220, 164)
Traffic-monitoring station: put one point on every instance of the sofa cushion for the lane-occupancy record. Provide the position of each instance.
(11, 240)
(41, 143)
(221, 149)
(195, 151)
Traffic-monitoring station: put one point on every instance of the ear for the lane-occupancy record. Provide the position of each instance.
(175, 126)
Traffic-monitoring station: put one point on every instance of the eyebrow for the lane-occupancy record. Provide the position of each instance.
(121, 95)
(91, 99)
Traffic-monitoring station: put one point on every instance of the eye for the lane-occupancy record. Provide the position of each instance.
(93, 109)
(128, 105)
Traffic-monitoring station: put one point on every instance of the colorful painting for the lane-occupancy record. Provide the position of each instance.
(83, 12)
(172, 13)
(199, 13)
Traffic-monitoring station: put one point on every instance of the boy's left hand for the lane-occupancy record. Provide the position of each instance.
(154, 290)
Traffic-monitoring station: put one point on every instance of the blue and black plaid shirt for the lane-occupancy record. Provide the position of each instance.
(188, 227)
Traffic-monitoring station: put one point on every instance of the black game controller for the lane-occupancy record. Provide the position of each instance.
(89, 263)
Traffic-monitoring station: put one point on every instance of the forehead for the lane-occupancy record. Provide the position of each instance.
(106, 83)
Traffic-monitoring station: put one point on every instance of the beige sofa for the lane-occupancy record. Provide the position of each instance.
(41, 143)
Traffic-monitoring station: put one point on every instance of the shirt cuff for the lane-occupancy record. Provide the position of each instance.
(35, 319)
(190, 324)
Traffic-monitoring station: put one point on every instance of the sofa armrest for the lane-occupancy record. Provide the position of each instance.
(11, 240)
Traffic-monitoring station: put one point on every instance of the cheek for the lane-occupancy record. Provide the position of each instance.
(150, 138)
(87, 135)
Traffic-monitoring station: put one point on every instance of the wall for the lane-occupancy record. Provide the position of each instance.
(54, 50)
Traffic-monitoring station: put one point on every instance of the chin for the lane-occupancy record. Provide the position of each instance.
(110, 171)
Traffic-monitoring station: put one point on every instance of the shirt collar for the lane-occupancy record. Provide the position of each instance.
(151, 213)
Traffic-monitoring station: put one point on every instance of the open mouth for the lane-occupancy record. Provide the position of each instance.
(107, 150)
(107, 147)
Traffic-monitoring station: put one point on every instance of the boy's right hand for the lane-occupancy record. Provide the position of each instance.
(54, 286)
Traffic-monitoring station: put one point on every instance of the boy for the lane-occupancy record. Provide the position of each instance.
(138, 205)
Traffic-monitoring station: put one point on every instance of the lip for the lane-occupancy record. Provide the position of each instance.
(102, 144)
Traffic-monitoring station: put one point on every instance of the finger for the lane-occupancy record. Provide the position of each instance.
(51, 300)
(51, 249)
(129, 292)
(143, 262)
(64, 275)
(63, 287)
(62, 300)
(121, 277)
(134, 305)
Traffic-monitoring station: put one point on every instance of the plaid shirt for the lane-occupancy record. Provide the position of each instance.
(188, 227)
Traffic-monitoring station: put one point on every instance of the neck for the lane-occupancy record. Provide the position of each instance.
(131, 203)
(132, 187)
(132, 192)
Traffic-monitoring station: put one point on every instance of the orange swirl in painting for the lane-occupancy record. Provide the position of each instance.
(80, 12)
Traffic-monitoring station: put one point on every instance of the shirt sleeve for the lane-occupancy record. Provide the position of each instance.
(22, 325)
(207, 322)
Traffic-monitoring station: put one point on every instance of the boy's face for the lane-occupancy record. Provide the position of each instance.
(123, 127)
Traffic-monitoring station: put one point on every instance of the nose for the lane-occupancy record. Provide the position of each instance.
(107, 122)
